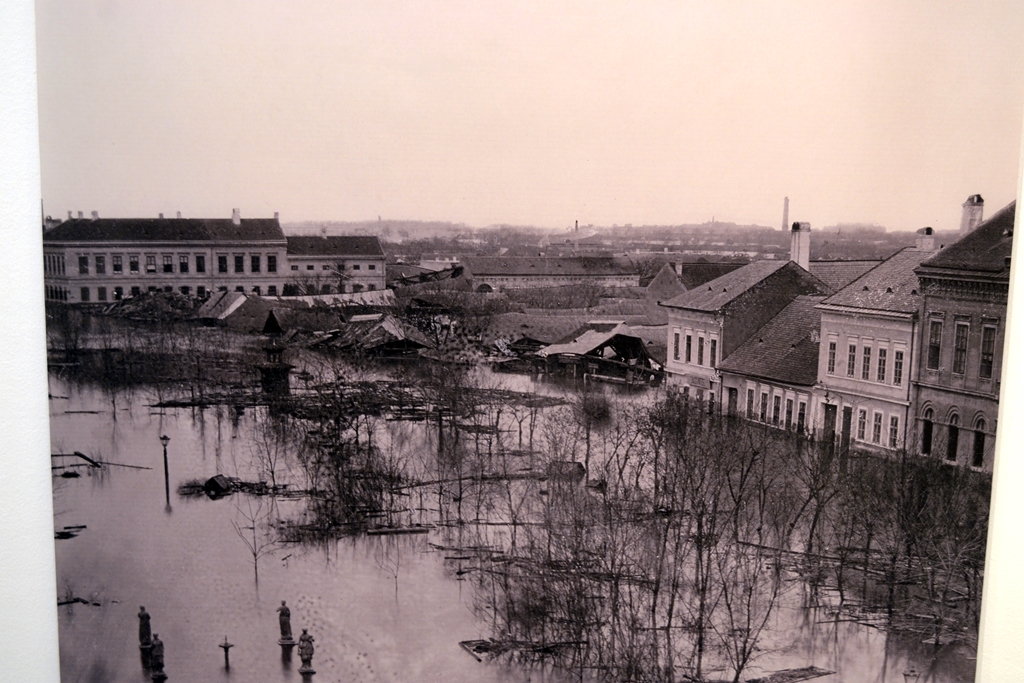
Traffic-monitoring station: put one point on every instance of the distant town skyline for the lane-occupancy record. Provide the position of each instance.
(530, 113)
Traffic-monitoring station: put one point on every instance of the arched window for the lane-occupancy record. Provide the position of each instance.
(978, 455)
(953, 439)
(926, 432)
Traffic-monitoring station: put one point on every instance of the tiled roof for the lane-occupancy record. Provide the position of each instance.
(543, 266)
(164, 230)
(984, 249)
(785, 349)
(838, 274)
(889, 286)
(335, 245)
(717, 293)
(694, 274)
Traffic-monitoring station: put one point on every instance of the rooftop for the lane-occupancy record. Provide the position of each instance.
(889, 286)
(785, 349)
(335, 245)
(715, 294)
(543, 266)
(838, 274)
(983, 250)
(164, 230)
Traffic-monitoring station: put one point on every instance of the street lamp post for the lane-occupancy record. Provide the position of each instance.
(167, 480)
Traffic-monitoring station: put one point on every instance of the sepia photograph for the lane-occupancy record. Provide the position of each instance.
(565, 342)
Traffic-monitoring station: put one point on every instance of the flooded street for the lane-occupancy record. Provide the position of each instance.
(381, 607)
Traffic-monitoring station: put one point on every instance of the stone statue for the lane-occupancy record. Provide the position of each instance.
(156, 658)
(306, 653)
(145, 634)
(285, 619)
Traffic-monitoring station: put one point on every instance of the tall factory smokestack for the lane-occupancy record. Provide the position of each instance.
(785, 213)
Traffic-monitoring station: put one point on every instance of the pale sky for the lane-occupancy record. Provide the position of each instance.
(520, 112)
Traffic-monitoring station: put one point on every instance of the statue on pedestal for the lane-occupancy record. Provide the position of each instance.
(285, 620)
(156, 658)
(306, 653)
(145, 634)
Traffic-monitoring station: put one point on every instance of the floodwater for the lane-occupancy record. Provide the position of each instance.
(381, 608)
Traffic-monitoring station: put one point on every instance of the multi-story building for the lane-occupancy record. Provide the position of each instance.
(89, 260)
(868, 349)
(771, 377)
(707, 323)
(963, 322)
(96, 260)
(334, 265)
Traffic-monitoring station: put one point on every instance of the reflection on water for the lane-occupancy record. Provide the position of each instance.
(381, 607)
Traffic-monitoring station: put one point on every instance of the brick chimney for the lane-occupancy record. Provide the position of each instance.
(236, 216)
(926, 239)
(95, 215)
(69, 215)
(277, 216)
(80, 215)
(161, 216)
(974, 209)
(179, 215)
(800, 245)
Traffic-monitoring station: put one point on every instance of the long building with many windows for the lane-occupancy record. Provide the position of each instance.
(97, 260)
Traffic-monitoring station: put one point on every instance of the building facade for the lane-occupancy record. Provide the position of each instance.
(707, 323)
(334, 265)
(869, 333)
(97, 260)
(965, 288)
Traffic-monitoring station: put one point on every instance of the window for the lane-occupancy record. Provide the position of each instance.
(186, 290)
(168, 289)
(801, 417)
(711, 403)
(978, 456)
(881, 365)
(357, 288)
(764, 406)
(700, 350)
(84, 294)
(271, 290)
(713, 351)
(926, 433)
(239, 263)
(340, 267)
(222, 263)
(83, 265)
(222, 289)
(776, 409)
(894, 431)
(168, 263)
(862, 424)
(750, 404)
(371, 288)
(254, 263)
(133, 263)
(201, 292)
(851, 361)
(960, 348)
(876, 429)
(789, 413)
(700, 395)
(295, 267)
(151, 263)
(116, 264)
(325, 289)
(182, 263)
(897, 368)
(309, 267)
(136, 291)
(953, 440)
(271, 263)
(686, 392)
(934, 343)
(256, 290)
(118, 293)
(831, 358)
(240, 288)
(988, 345)
(101, 294)
(865, 370)
(101, 265)
(355, 267)
(689, 344)
(372, 267)
(675, 346)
